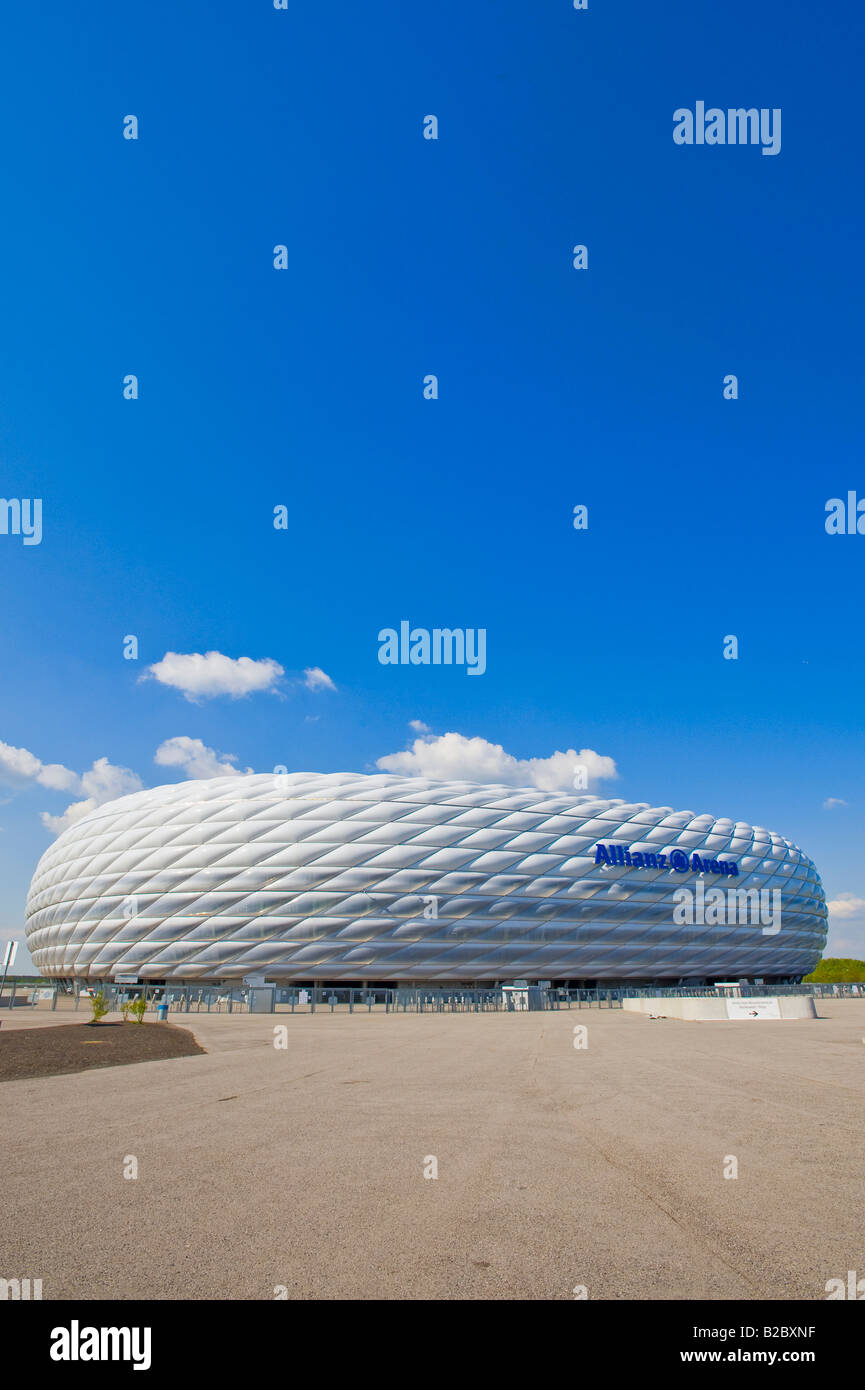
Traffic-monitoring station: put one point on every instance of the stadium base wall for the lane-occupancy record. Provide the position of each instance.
(700, 1010)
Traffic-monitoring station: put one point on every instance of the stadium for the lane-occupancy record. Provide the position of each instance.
(349, 878)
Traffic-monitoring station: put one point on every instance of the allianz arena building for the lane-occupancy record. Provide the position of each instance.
(382, 879)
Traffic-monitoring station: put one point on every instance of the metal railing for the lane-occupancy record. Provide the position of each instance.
(196, 999)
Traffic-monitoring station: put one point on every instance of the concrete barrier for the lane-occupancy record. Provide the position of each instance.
(698, 1010)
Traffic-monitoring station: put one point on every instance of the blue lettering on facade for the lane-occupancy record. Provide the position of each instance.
(623, 856)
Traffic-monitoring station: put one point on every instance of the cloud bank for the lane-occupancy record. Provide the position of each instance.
(102, 783)
(844, 906)
(19, 768)
(453, 756)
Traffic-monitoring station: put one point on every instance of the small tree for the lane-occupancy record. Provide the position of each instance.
(98, 1006)
(138, 1008)
(125, 1008)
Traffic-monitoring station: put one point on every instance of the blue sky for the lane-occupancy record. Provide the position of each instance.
(557, 387)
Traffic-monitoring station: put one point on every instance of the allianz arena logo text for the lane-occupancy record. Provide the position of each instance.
(677, 859)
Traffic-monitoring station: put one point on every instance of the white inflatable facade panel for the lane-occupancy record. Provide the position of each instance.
(346, 877)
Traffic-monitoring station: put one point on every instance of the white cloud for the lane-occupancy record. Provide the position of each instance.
(200, 677)
(102, 783)
(195, 758)
(58, 777)
(72, 813)
(18, 767)
(832, 801)
(454, 756)
(105, 781)
(845, 905)
(849, 944)
(316, 679)
(419, 726)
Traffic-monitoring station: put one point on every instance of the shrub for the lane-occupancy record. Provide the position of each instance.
(138, 1008)
(98, 1006)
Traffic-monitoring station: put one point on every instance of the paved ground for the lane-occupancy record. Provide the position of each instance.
(556, 1167)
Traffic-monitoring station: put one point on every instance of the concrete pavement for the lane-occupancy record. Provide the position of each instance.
(557, 1167)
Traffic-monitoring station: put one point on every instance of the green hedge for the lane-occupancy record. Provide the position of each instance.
(837, 971)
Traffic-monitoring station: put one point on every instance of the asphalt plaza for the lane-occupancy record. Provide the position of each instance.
(263, 1168)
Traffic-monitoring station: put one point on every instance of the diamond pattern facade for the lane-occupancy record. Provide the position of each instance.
(348, 877)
